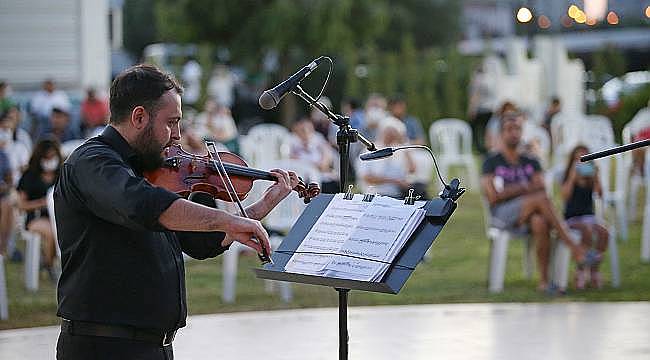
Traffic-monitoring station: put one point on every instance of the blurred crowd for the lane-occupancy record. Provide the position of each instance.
(36, 135)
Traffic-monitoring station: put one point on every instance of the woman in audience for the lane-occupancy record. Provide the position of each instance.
(216, 123)
(6, 184)
(41, 174)
(580, 183)
(310, 146)
(389, 176)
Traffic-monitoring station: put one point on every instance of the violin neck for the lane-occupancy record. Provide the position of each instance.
(237, 170)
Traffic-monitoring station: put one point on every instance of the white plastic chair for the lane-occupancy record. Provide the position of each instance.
(645, 232)
(451, 140)
(264, 144)
(499, 240)
(32, 251)
(4, 301)
(640, 121)
(280, 220)
(598, 134)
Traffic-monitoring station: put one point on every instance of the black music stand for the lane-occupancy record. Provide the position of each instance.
(437, 213)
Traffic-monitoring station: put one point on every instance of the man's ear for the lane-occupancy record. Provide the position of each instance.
(139, 117)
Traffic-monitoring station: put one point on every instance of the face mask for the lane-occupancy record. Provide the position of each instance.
(5, 136)
(50, 165)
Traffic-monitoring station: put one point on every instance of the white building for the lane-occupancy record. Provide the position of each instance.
(65, 40)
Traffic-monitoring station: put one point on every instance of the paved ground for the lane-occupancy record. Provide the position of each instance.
(589, 331)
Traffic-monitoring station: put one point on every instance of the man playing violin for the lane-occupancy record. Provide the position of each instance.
(121, 294)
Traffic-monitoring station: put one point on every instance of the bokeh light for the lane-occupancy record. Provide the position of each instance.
(524, 15)
(573, 11)
(544, 22)
(647, 11)
(612, 18)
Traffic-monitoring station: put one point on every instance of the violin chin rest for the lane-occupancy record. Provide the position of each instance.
(203, 198)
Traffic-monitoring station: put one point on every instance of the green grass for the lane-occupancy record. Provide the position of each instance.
(456, 273)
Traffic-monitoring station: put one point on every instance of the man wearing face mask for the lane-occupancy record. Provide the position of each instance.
(122, 290)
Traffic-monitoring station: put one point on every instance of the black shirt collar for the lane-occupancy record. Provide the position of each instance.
(113, 138)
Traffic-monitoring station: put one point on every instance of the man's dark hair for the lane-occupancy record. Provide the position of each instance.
(397, 99)
(139, 85)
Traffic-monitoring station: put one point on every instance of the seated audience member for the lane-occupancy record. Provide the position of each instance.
(18, 146)
(374, 115)
(41, 174)
(492, 132)
(60, 128)
(94, 113)
(514, 186)
(414, 131)
(216, 123)
(553, 108)
(42, 105)
(5, 101)
(6, 185)
(310, 146)
(389, 176)
(580, 182)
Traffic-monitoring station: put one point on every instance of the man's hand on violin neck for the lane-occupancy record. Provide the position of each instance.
(248, 232)
(286, 181)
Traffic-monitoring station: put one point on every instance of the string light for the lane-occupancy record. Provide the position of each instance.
(573, 11)
(647, 11)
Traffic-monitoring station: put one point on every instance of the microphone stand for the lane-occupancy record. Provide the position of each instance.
(344, 136)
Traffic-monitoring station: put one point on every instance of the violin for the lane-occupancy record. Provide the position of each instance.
(184, 173)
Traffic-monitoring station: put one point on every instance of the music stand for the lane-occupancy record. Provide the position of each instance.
(437, 213)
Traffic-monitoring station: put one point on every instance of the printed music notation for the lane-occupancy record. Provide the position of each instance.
(356, 239)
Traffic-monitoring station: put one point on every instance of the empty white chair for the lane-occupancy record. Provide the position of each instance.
(645, 232)
(451, 140)
(598, 134)
(264, 144)
(4, 301)
(639, 122)
(278, 221)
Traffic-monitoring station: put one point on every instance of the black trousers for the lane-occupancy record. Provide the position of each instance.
(78, 347)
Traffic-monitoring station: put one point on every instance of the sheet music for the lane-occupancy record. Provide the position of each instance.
(331, 229)
(356, 239)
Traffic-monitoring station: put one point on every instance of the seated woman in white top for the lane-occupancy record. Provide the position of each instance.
(389, 176)
(216, 123)
(310, 146)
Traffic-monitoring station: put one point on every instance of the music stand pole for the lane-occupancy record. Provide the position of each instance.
(344, 136)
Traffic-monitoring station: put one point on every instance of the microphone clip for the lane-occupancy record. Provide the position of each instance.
(452, 191)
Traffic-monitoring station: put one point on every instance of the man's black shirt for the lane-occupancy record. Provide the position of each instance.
(120, 265)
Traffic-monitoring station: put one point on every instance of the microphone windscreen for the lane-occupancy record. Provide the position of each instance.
(267, 100)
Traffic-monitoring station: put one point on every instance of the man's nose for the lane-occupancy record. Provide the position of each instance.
(176, 133)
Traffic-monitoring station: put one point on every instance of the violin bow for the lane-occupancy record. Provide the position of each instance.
(232, 193)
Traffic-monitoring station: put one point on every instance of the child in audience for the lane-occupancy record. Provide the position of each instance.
(580, 183)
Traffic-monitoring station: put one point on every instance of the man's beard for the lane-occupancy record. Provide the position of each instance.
(148, 151)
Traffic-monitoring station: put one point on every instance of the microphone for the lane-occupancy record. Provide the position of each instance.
(271, 98)
(378, 154)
